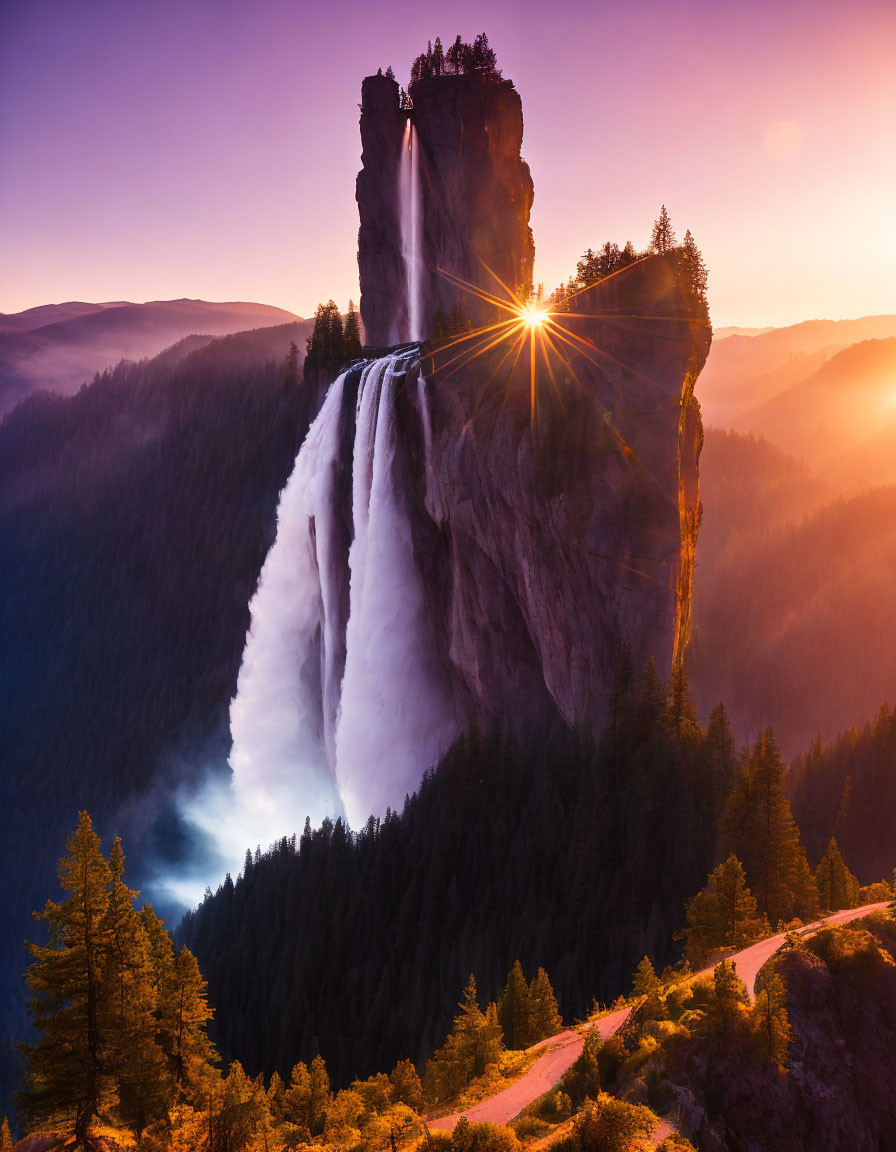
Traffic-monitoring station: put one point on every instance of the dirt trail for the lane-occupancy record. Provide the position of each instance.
(750, 960)
(562, 1050)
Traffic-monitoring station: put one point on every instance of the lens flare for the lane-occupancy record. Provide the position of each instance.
(533, 316)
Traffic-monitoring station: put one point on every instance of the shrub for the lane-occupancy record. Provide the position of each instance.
(583, 1078)
(855, 954)
(471, 1137)
(610, 1059)
(610, 1125)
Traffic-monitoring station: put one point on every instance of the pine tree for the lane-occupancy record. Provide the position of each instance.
(662, 238)
(724, 914)
(68, 1079)
(390, 73)
(693, 265)
(483, 56)
(406, 1085)
(308, 1097)
(133, 1052)
(184, 1016)
(5, 1134)
(352, 334)
(515, 1010)
(583, 1078)
(474, 1044)
(291, 368)
(645, 980)
(438, 58)
(837, 887)
(726, 1013)
(758, 827)
(325, 347)
(844, 824)
(545, 1015)
(770, 1023)
(241, 1113)
(722, 754)
(454, 56)
(682, 711)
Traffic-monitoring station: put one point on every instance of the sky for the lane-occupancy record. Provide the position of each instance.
(208, 148)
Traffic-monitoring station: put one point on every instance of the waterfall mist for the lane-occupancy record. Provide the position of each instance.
(342, 702)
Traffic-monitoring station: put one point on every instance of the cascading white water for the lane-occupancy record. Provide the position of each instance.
(312, 737)
(411, 220)
(397, 714)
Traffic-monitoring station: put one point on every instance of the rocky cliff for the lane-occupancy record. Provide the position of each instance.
(554, 513)
(476, 194)
(556, 536)
(837, 1091)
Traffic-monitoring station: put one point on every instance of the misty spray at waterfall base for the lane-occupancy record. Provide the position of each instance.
(342, 702)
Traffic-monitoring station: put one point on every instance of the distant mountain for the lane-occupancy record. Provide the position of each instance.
(833, 410)
(736, 330)
(51, 314)
(744, 371)
(60, 346)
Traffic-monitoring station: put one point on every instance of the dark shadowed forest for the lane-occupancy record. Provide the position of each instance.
(571, 856)
(135, 518)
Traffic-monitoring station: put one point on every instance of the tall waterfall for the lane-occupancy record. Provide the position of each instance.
(342, 702)
(411, 218)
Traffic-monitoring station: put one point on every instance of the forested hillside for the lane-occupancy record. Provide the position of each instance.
(568, 855)
(793, 596)
(847, 788)
(134, 519)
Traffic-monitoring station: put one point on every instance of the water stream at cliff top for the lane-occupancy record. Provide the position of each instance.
(411, 220)
(337, 713)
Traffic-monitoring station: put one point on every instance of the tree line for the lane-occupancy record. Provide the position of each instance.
(333, 342)
(461, 59)
(593, 267)
(336, 926)
(122, 1017)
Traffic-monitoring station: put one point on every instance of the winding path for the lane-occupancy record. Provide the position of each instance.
(562, 1050)
(561, 1053)
(750, 960)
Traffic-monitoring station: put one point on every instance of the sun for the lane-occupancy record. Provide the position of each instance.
(533, 316)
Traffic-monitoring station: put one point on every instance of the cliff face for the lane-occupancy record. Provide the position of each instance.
(549, 537)
(837, 1093)
(476, 194)
(553, 539)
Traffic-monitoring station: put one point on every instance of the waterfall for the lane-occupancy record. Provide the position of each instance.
(342, 702)
(411, 219)
(397, 714)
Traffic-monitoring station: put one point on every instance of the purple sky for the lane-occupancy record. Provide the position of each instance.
(209, 148)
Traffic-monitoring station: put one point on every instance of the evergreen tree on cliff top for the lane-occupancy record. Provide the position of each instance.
(694, 266)
(662, 238)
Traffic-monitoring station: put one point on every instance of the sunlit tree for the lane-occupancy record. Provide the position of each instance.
(662, 238)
